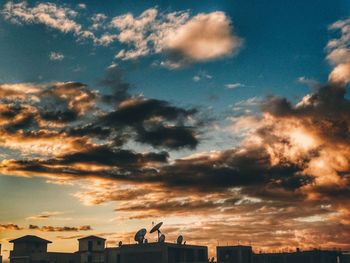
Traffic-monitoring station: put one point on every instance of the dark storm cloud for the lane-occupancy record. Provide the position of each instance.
(155, 122)
(169, 137)
(106, 156)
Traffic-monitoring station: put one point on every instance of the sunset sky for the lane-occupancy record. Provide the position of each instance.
(227, 120)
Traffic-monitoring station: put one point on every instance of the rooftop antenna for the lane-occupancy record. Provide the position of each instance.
(161, 239)
(179, 239)
(140, 235)
(156, 228)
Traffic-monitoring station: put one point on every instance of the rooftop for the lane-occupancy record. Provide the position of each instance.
(30, 239)
(92, 237)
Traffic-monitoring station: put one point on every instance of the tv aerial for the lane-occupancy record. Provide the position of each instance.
(161, 239)
(140, 235)
(179, 239)
(156, 228)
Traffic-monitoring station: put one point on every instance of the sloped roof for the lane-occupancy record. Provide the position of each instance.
(92, 237)
(30, 239)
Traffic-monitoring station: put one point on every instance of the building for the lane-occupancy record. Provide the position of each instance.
(0, 255)
(345, 257)
(157, 252)
(29, 249)
(92, 249)
(312, 256)
(234, 254)
(33, 249)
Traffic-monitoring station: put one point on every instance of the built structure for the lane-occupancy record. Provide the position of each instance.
(160, 252)
(33, 249)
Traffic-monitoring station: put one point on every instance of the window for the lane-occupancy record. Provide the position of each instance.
(89, 245)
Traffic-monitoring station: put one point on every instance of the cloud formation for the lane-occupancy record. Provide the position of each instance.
(290, 172)
(203, 37)
(60, 229)
(339, 53)
(179, 37)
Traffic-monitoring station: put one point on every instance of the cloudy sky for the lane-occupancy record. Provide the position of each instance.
(227, 120)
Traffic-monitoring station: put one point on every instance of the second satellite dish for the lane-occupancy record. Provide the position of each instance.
(179, 239)
(156, 228)
(140, 235)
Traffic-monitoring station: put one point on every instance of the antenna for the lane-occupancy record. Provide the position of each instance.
(140, 235)
(179, 239)
(156, 228)
(161, 238)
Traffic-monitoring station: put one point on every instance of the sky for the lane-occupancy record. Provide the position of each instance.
(226, 120)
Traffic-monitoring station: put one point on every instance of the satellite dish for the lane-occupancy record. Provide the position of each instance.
(161, 238)
(179, 239)
(120, 243)
(140, 235)
(156, 227)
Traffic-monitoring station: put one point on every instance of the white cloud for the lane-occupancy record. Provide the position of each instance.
(341, 74)
(81, 6)
(181, 38)
(203, 37)
(307, 81)
(186, 39)
(339, 53)
(201, 75)
(234, 85)
(49, 14)
(98, 21)
(56, 56)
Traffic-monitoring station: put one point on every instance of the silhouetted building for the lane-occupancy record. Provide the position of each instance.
(234, 254)
(0, 255)
(157, 253)
(345, 257)
(92, 249)
(33, 249)
(312, 256)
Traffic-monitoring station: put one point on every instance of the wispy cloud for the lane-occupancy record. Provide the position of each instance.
(234, 85)
(45, 215)
(56, 56)
(201, 75)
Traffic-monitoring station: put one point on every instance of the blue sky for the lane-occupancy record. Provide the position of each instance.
(246, 113)
(283, 40)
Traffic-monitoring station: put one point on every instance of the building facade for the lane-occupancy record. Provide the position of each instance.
(234, 254)
(157, 252)
(33, 249)
(92, 249)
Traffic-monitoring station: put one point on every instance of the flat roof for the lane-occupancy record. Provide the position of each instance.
(30, 239)
(154, 244)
